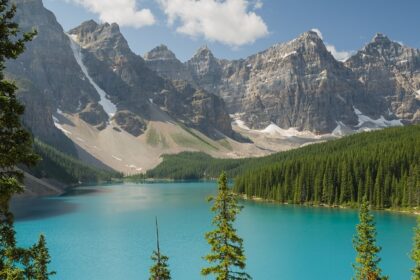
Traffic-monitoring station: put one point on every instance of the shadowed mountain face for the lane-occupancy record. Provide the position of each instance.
(300, 84)
(91, 72)
(48, 76)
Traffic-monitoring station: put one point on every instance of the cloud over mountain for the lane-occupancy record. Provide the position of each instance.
(123, 12)
(230, 22)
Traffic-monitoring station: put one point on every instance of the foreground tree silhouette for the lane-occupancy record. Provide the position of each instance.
(415, 255)
(366, 267)
(160, 270)
(15, 143)
(227, 251)
(41, 260)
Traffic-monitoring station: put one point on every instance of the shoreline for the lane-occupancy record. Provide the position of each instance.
(412, 212)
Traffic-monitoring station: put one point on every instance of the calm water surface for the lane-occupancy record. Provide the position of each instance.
(107, 233)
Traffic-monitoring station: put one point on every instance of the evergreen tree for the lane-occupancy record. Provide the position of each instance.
(15, 142)
(227, 251)
(367, 260)
(415, 255)
(160, 270)
(41, 260)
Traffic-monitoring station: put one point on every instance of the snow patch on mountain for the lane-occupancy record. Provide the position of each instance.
(108, 106)
(418, 94)
(339, 130)
(276, 131)
(379, 123)
(57, 123)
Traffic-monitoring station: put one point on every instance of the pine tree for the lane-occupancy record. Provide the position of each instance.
(160, 270)
(41, 260)
(15, 142)
(227, 251)
(415, 255)
(366, 267)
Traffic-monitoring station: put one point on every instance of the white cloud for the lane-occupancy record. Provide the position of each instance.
(317, 31)
(123, 12)
(339, 55)
(226, 21)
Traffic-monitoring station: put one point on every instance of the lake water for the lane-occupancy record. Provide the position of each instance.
(107, 233)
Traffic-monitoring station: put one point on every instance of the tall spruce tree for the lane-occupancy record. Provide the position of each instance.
(227, 253)
(367, 260)
(15, 142)
(41, 260)
(160, 269)
(415, 254)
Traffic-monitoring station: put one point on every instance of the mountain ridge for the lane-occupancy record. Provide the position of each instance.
(103, 103)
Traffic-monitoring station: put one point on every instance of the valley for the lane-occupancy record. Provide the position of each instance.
(112, 108)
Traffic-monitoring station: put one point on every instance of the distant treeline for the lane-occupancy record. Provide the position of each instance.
(65, 168)
(383, 165)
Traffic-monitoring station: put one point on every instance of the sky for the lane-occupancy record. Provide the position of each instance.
(235, 29)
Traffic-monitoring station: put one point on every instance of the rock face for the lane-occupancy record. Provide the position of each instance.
(390, 74)
(133, 86)
(92, 73)
(300, 84)
(165, 63)
(48, 74)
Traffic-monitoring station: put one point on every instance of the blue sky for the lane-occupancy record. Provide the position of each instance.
(238, 28)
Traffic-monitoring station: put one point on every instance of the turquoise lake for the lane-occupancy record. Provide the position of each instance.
(107, 233)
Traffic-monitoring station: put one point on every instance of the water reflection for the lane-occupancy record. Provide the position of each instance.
(26, 209)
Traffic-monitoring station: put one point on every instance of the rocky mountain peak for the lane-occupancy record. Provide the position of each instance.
(203, 53)
(380, 38)
(161, 52)
(310, 35)
(382, 47)
(204, 66)
(100, 36)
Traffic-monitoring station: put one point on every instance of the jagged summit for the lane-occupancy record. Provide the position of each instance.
(380, 38)
(102, 36)
(204, 51)
(380, 47)
(311, 35)
(161, 52)
(90, 24)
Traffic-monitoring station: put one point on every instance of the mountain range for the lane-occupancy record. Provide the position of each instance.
(89, 95)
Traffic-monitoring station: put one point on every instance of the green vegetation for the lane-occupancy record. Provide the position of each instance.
(152, 137)
(15, 149)
(227, 251)
(383, 165)
(67, 169)
(41, 260)
(415, 255)
(225, 143)
(185, 141)
(160, 269)
(367, 260)
(155, 139)
(192, 166)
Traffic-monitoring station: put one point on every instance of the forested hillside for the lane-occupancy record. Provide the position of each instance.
(67, 169)
(383, 165)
